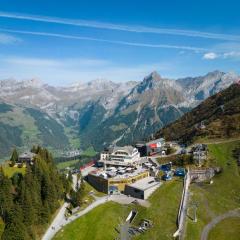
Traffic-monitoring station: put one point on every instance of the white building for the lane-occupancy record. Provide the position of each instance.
(26, 157)
(120, 156)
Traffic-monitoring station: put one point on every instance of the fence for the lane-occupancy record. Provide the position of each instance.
(183, 205)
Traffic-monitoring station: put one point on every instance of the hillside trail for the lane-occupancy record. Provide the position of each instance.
(216, 220)
(222, 141)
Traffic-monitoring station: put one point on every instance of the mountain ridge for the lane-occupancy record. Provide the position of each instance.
(216, 117)
(102, 112)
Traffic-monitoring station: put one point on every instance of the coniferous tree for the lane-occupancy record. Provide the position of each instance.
(6, 198)
(32, 197)
(76, 198)
(14, 157)
(34, 149)
(15, 228)
(70, 177)
(2, 225)
(25, 201)
(17, 178)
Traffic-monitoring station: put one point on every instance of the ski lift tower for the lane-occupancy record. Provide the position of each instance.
(194, 205)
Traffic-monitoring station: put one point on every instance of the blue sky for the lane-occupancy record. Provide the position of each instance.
(61, 42)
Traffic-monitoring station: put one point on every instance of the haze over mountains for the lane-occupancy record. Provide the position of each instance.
(99, 112)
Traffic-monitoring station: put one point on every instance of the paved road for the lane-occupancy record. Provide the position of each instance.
(215, 221)
(60, 217)
(178, 151)
(56, 222)
(61, 221)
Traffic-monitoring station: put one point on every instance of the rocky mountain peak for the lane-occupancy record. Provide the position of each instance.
(153, 76)
(102, 111)
(200, 88)
(101, 83)
(214, 73)
(7, 82)
(154, 81)
(34, 82)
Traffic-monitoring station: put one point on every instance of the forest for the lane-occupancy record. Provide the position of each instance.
(28, 201)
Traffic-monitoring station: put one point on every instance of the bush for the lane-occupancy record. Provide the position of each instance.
(170, 150)
(20, 165)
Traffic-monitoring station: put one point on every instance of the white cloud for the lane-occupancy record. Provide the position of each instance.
(210, 56)
(227, 50)
(120, 27)
(8, 39)
(46, 62)
(232, 54)
(31, 62)
(135, 44)
(222, 55)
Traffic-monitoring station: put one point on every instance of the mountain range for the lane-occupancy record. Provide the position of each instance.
(98, 113)
(217, 117)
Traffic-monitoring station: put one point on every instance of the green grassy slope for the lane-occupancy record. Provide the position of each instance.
(100, 223)
(22, 127)
(52, 133)
(228, 229)
(163, 211)
(10, 171)
(9, 137)
(96, 225)
(63, 165)
(222, 195)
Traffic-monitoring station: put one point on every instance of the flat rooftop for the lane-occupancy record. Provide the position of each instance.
(144, 183)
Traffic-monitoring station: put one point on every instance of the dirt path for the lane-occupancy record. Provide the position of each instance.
(218, 141)
(215, 221)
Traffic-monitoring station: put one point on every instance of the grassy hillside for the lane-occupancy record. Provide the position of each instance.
(10, 171)
(128, 126)
(9, 136)
(226, 229)
(63, 165)
(219, 197)
(100, 223)
(219, 114)
(52, 133)
(22, 127)
(96, 225)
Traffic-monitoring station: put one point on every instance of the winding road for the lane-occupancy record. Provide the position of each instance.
(61, 221)
(215, 221)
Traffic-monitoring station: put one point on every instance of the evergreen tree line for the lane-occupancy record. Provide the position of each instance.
(76, 196)
(28, 201)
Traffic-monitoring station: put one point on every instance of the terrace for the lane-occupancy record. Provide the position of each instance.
(114, 173)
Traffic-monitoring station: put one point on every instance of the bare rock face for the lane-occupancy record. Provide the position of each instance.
(200, 88)
(102, 111)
